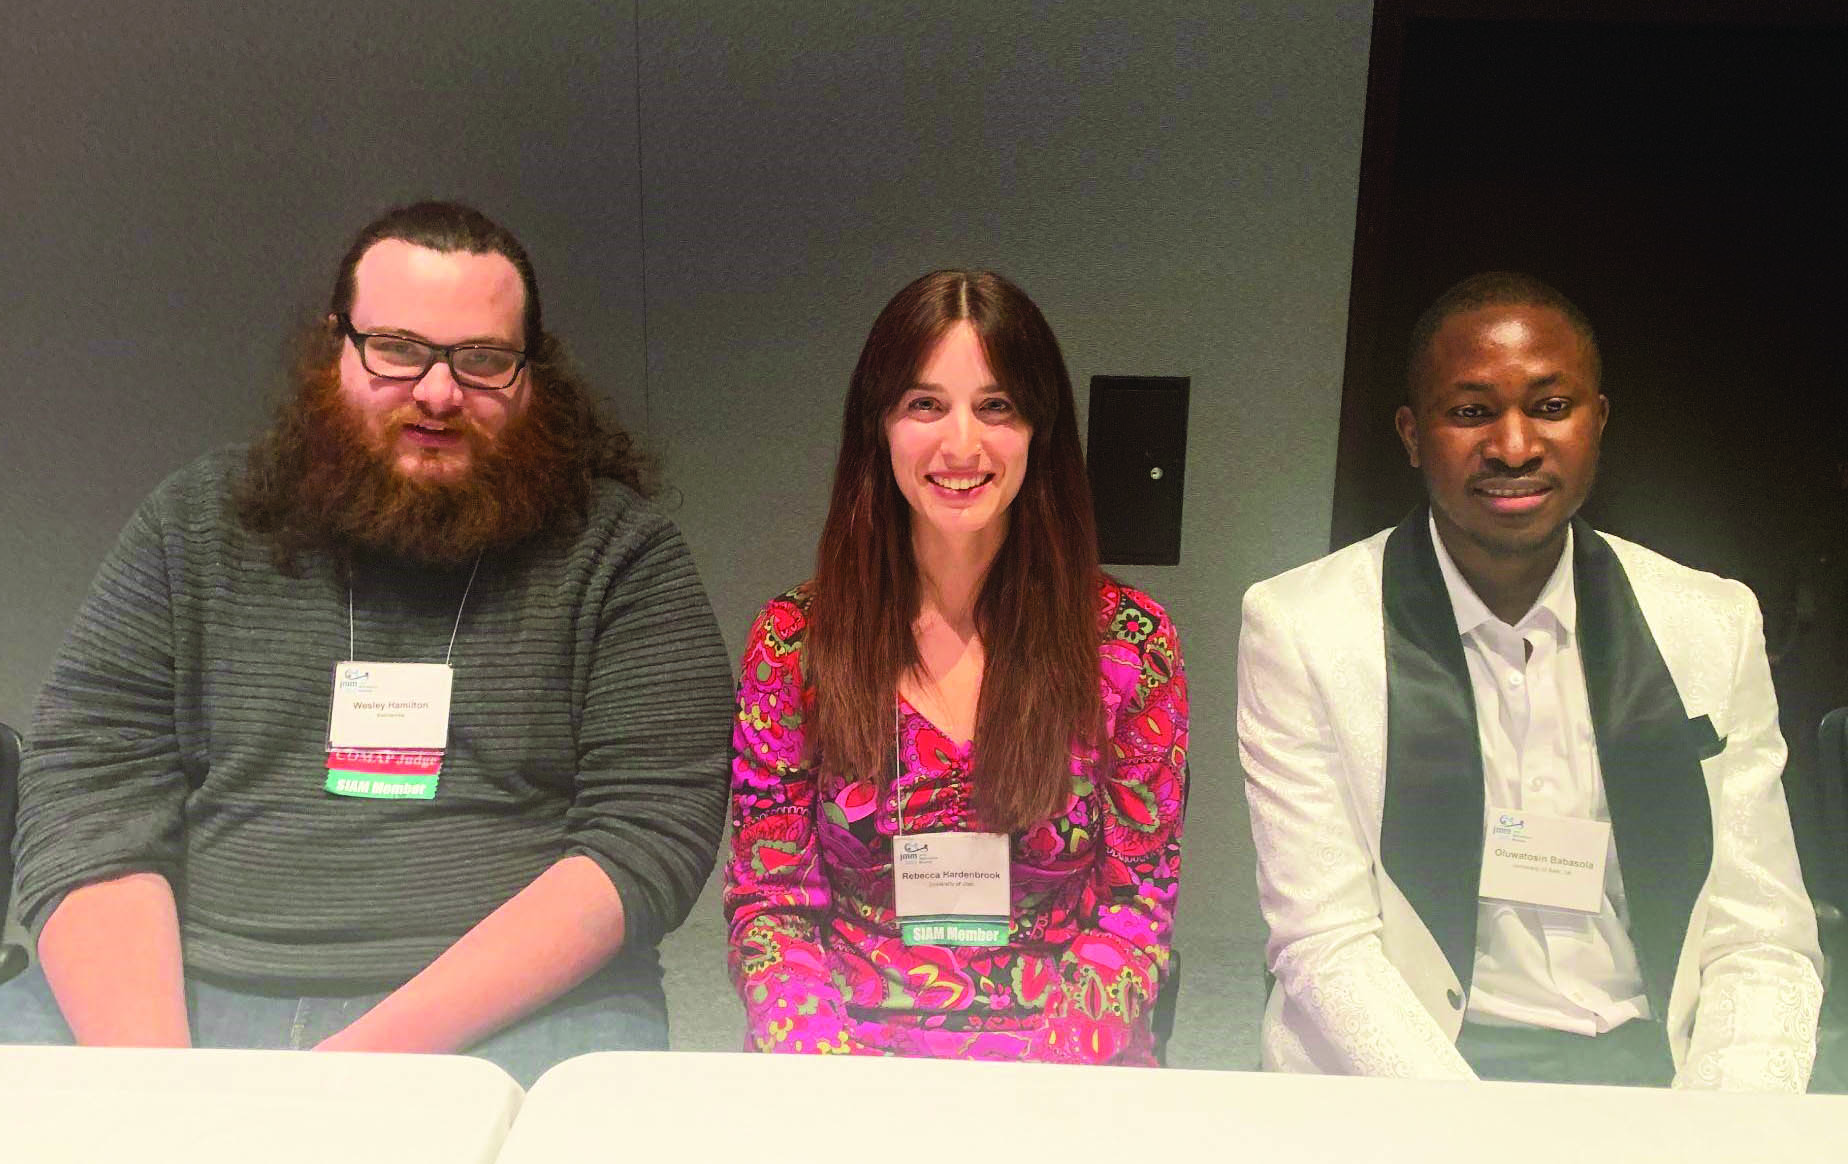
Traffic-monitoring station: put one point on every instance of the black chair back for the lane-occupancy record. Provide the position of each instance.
(12, 958)
(9, 806)
(1827, 879)
(1168, 998)
(1832, 780)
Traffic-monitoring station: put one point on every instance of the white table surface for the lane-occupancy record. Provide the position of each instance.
(812, 1110)
(91, 1104)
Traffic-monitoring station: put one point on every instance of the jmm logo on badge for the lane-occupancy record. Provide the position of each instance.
(1509, 825)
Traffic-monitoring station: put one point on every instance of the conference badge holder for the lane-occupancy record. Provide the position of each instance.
(387, 729)
(388, 725)
(1530, 858)
(950, 888)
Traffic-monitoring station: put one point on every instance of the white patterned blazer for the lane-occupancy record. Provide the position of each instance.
(1351, 667)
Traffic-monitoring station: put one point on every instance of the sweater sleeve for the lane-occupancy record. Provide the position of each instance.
(102, 791)
(776, 891)
(649, 806)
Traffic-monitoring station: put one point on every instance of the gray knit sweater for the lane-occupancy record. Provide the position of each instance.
(183, 727)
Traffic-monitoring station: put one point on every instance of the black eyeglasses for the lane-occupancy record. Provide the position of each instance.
(399, 357)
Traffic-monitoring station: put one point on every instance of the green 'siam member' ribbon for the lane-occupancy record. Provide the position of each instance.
(369, 786)
(953, 931)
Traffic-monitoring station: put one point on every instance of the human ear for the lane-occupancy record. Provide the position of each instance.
(1406, 421)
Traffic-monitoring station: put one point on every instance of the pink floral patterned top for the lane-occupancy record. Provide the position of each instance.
(815, 951)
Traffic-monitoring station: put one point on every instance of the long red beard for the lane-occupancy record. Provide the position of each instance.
(513, 486)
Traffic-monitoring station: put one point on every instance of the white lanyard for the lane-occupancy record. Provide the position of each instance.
(352, 642)
(898, 755)
(393, 705)
(948, 888)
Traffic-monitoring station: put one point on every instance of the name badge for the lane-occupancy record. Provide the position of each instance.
(390, 705)
(951, 889)
(1556, 861)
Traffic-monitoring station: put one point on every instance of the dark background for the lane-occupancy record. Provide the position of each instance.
(1679, 176)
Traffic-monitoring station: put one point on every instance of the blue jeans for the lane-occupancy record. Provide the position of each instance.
(619, 1008)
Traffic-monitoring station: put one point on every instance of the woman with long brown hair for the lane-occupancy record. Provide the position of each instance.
(960, 750)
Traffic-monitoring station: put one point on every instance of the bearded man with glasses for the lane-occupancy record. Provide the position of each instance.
(405, 729)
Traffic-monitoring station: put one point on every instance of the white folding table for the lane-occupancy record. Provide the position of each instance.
(62, 1104)
(811, 1110)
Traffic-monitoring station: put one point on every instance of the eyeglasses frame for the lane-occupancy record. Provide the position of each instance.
(438, 353)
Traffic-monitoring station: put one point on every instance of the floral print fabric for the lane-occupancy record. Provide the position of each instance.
(815, 951)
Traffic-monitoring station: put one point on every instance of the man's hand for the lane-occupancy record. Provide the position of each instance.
(546, 939)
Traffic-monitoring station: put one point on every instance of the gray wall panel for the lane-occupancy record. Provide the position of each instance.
(193, 171)
(1175, 184)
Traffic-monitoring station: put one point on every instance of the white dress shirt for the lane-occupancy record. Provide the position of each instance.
(1537, 966)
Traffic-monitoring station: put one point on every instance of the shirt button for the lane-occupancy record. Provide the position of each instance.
(1516, 679)
(1536, 784)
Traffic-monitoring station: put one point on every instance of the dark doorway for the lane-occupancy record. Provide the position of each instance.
(1676, 169)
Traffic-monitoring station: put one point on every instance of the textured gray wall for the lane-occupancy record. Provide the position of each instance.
(184, 177)
(1175, 185)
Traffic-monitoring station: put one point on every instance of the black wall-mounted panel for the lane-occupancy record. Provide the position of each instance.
(1137, 457)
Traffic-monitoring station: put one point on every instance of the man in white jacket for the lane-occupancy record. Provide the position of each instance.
(1515, 784)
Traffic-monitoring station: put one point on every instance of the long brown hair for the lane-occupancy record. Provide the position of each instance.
(293, 490)
(1037, 610)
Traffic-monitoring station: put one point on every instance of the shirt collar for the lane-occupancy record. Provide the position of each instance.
(1558, 598)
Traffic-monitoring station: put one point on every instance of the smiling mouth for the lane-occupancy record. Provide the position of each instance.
(1513, 497)
(962, 484)
(1513, 488)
